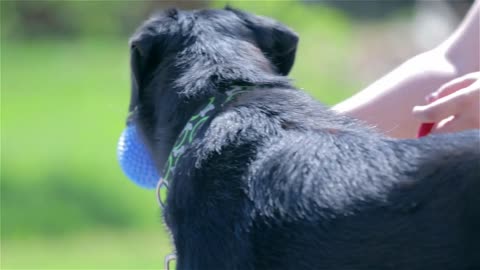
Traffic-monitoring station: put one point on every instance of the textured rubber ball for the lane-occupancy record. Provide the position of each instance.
(135, 159)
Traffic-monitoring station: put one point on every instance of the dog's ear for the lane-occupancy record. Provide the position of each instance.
(277, 42)
(146, 48)
(143, 58)
(140, 57)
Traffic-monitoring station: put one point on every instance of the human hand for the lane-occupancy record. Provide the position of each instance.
(455, 106)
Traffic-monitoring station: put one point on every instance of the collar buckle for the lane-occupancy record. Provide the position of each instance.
(162, 187)
(168, 259)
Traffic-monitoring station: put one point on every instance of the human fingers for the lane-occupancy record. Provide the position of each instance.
(455, 124)
(443, 107)
(453, 86)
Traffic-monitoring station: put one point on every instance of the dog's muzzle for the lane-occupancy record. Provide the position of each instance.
(135, 160)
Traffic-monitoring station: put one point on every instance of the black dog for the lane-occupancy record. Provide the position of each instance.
(275, 180)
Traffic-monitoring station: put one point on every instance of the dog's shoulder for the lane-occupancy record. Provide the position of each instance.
(323, 172)
(327, 170)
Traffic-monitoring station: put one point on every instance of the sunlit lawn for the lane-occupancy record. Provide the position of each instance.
(98, 250)
(63, 108)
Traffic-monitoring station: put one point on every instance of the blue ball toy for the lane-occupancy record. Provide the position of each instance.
(135, 160)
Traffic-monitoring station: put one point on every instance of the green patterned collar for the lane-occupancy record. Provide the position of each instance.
(187, 136)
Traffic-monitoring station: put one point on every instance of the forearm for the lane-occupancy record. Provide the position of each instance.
(387, 103)
(463, 47)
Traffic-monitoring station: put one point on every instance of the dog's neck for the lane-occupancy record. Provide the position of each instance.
(192, 128)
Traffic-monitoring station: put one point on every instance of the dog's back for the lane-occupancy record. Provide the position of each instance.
(370, 204)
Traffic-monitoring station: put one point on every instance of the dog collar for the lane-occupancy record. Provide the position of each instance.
(187, 136)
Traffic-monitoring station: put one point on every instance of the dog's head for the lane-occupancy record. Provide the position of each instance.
(179, 57)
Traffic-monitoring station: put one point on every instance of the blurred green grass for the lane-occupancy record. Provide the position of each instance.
(99, 250)
(63, 105)
(63, 108)
(64, 201)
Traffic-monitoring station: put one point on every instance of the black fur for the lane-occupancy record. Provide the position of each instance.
(277, 180)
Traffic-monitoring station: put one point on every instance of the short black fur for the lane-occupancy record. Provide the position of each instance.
(279, 181)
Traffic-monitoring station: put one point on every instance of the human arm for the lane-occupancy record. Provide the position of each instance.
(388, 102)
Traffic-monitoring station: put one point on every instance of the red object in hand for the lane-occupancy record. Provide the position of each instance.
(425, 129)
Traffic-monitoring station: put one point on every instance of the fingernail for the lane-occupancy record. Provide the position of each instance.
(431, 98)
(417, 110)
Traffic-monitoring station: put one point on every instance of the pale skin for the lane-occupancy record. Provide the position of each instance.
(445, 77)
(454, 107)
